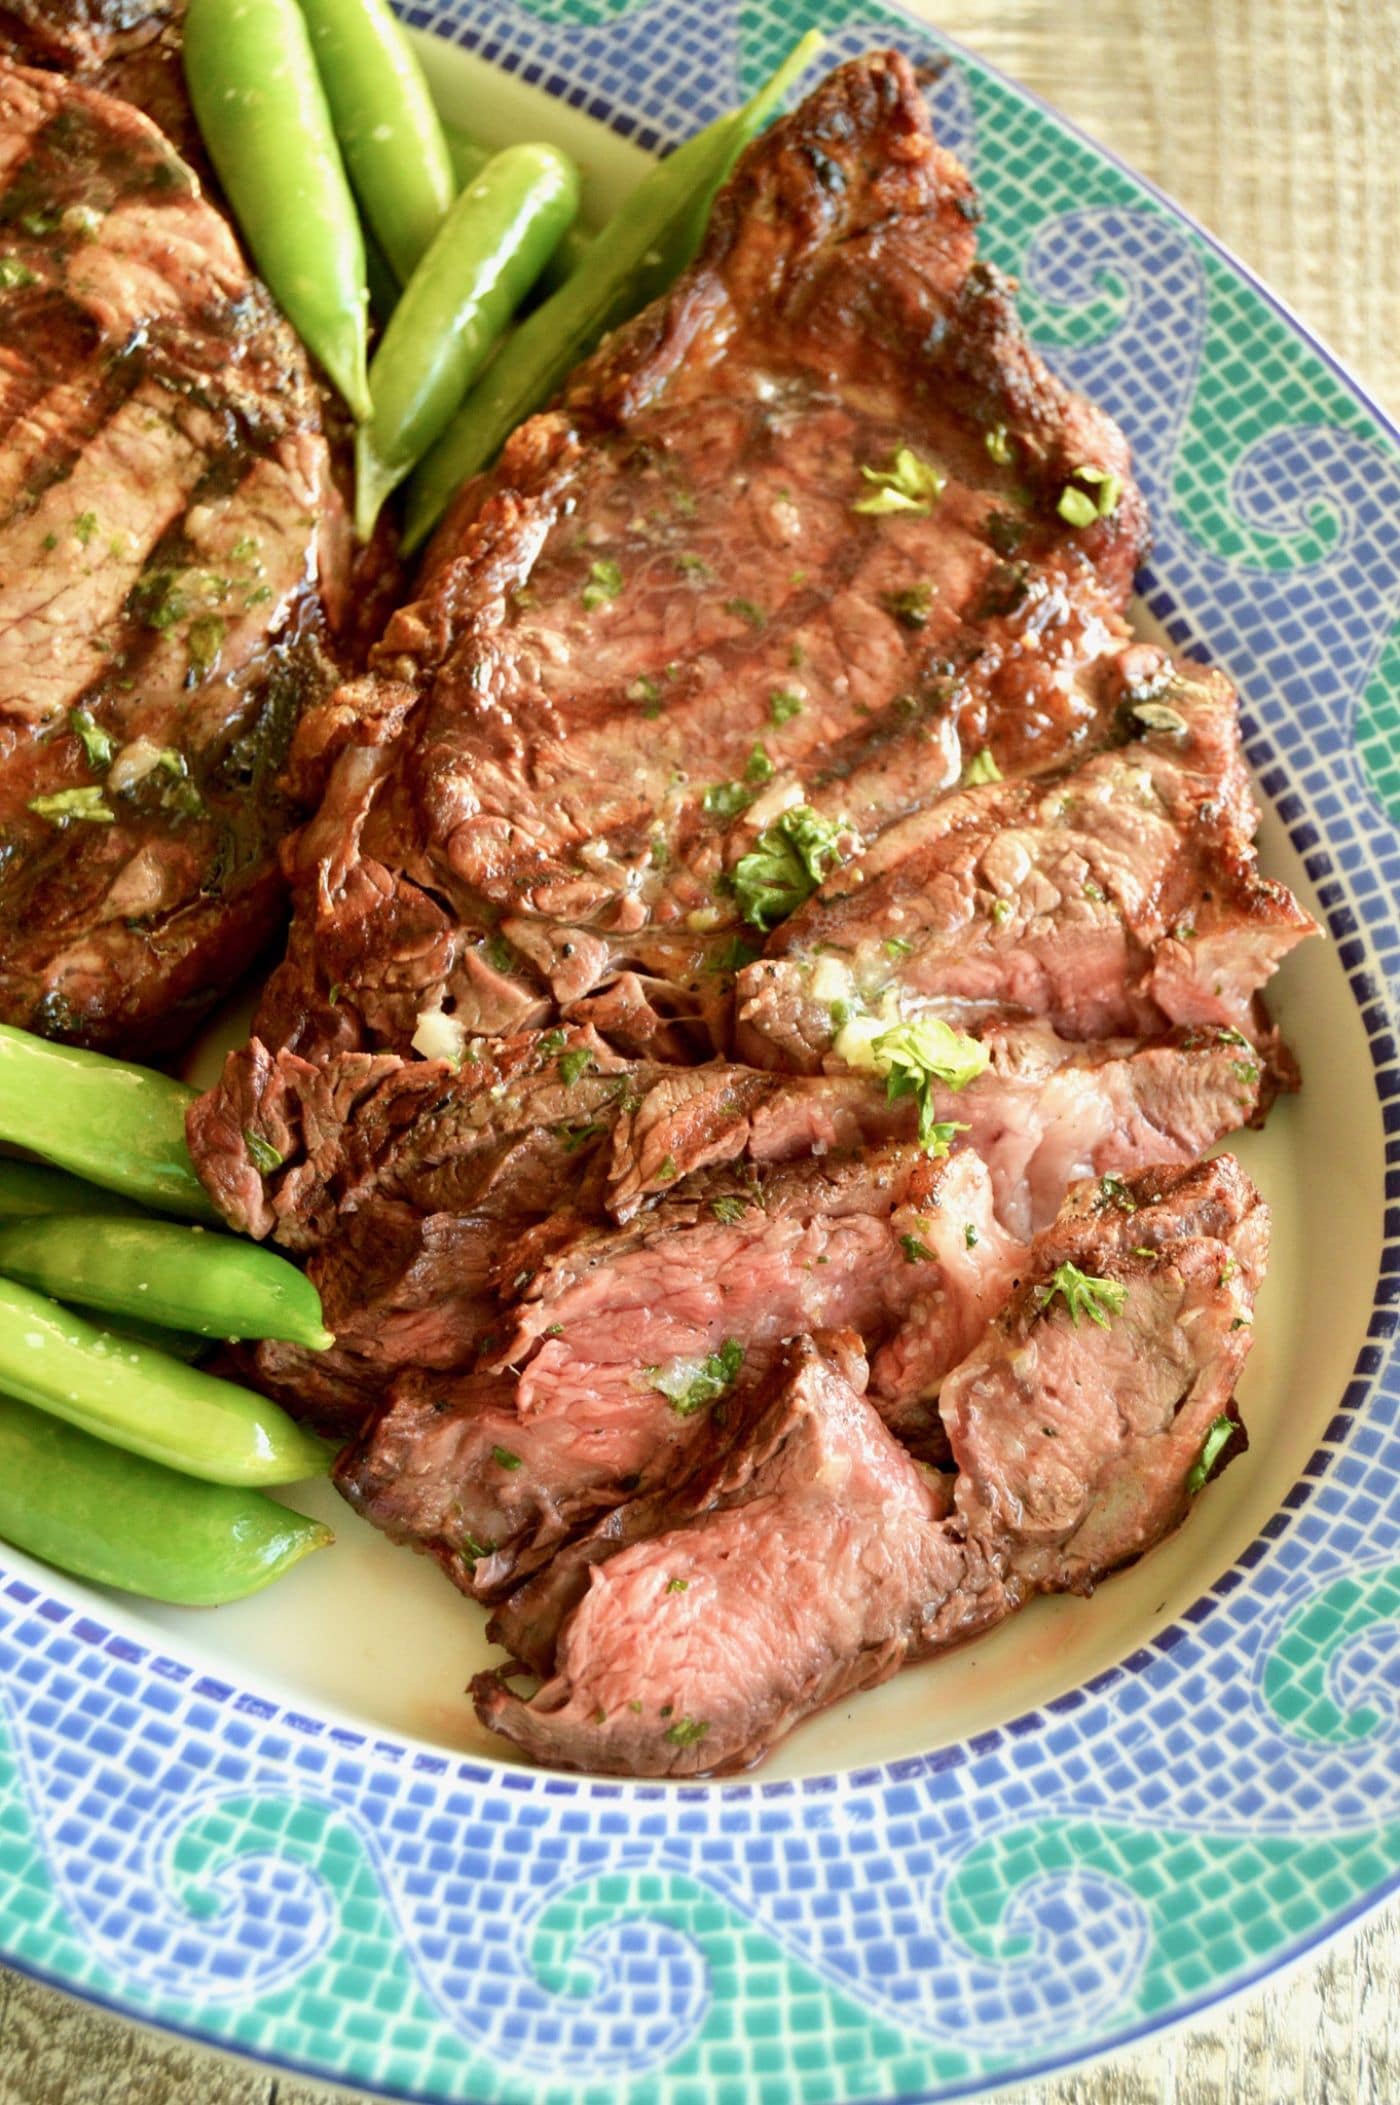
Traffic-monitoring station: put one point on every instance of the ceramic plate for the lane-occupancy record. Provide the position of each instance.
(273, 1828)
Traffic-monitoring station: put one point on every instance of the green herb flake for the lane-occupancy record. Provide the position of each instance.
(504, 1459)
(573, 1137)
(14, 274)
(97, 744)
(686, 1731)
(913, 1057)
(1248, 1072)
(244, 548)
(783, 705)
(678, 1586)
(785, 865)
(553, 1042)
(896, 946)
(1077, 507)
(981, 768)
(573, 1063)
(796, 655)
(667, 1172)
(733, 957)
(648, 694)
(728, 1212)
(84, 527)
(204, 642)
(1217, 1439)
(1001, 911)
(745, 610)
(1084, 1295)
(909, 484)
(1114, 1192)
(695, 567)
(689, 1385)
(499, 955)
(65, 805)
(998, 444)
(915, 1252)
(970, 1236)
(911, 607)
(1109, 488)
(725, 800)
(265, 1156)
(758, 767)
(49, 543)
(604, 583)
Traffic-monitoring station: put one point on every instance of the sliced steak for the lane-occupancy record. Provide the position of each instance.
(1119, 897)
(173, 562)
(670, 612)
(626, 1346)
(810, 1558)
(1075, 1441)
(814, 1565)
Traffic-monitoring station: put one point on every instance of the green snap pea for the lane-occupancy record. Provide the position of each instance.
(648, 240)
(388, 129)
(160, 1272)
(468, 160)
(492, 246)
(145, 1401)
(28, 1189)
(262, 115)
(119, 1126)
(121, 1521)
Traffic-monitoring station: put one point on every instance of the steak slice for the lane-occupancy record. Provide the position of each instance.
(812, 1557)
(626, 1346)
(669, 614)
(1120, 897)
(811, 1566)
(173, 567)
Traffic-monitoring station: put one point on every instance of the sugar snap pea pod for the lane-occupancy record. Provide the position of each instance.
(31, 1188)
(119, 1126)
(162, 1272)
(389, 131)
(468, 160)
(492, 246)
(652, 235)
(145, 1401)
(262, 116)
(122, 1521)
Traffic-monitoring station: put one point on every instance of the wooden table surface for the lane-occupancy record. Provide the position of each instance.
(1274, 122)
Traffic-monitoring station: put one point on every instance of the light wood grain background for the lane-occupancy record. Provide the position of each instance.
(1275, 122)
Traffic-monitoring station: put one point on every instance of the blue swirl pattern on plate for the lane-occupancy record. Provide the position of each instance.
(389, 1915)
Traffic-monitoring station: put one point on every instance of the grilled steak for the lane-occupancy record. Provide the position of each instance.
(670, 613)
(1118, 897)
(629, 1342)
(813, 1558)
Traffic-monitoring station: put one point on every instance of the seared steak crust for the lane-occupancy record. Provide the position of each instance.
(172, 554)
(665, 617)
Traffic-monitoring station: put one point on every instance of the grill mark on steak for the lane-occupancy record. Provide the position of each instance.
(173, 551)
(810, 1557)
(606, 620)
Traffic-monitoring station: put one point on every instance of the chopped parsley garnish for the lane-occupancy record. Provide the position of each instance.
(1114, 1192)
(695, 566)
(61, 805)
(1248, 1072)
(783, 705)
(970, 1236)
(915, 1252)
(13, 274)
(909, 484)
(84, 527)
(265, 1156)
(1084, 1295)
(745, 610)
(981, 768)
(504, 1459)
(689, 1385)
(911, 607)
(1231, 1037)
(758, 767)
(998, 444)
(499, 955)
(725, 800)
(604, 583)
(728, 1212)
(896, 946)
(648, 694)
(785, 865)
(573, 1063)
(1001, 911)
(552, 1042)
(677, 1585)
(913, 1057)
(1079, 508)
(1217, 1439)
(577, 1136)
(686, 1731)
(204, 642)
(97, 744)
(667, 1172)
